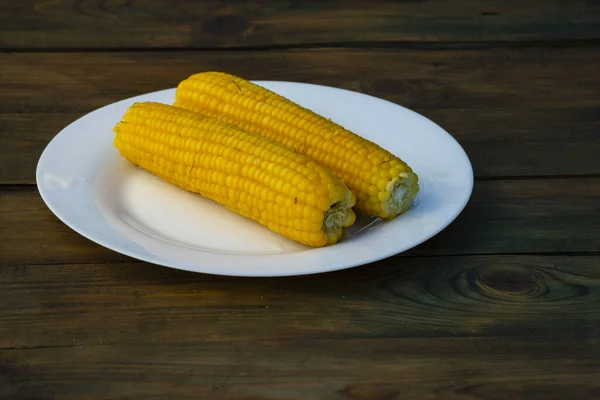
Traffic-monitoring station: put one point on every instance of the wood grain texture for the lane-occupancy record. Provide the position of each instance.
(528, 112)
(355, 369)
(484, 327)
(128, 303)
(30, 232)
(520, 216)
(175, 23)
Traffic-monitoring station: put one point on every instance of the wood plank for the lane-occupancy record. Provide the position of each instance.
(358, 369)
(489, 327)
(515, 114)
(126, 24)
(29, 232)
(532, 78)
(544, 297)
(520, 216)
(23, 137)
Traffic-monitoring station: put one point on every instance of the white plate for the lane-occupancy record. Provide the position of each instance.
(94, 191)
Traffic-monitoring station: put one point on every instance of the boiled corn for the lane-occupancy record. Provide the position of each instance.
(249, 174)
(384, 185)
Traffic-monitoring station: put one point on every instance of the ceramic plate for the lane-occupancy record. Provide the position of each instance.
(85, 182)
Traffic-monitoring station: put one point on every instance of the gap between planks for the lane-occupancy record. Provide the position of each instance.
(393, 45)
(135, 261)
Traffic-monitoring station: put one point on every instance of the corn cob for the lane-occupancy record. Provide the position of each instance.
(384, 185)
(249, 174)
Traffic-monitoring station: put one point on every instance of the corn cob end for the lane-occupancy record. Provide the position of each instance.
(402, 192)
(338, 217)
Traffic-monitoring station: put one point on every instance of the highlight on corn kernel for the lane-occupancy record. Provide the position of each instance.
(384, 185)
(256, 177)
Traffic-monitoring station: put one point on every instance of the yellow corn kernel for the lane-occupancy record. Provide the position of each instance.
(360, 163)
(228, 165)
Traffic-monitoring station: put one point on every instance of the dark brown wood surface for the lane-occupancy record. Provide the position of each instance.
(436, 327)
(41, 24)
(503, 304)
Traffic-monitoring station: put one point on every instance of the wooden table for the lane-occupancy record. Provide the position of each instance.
(504, 304)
